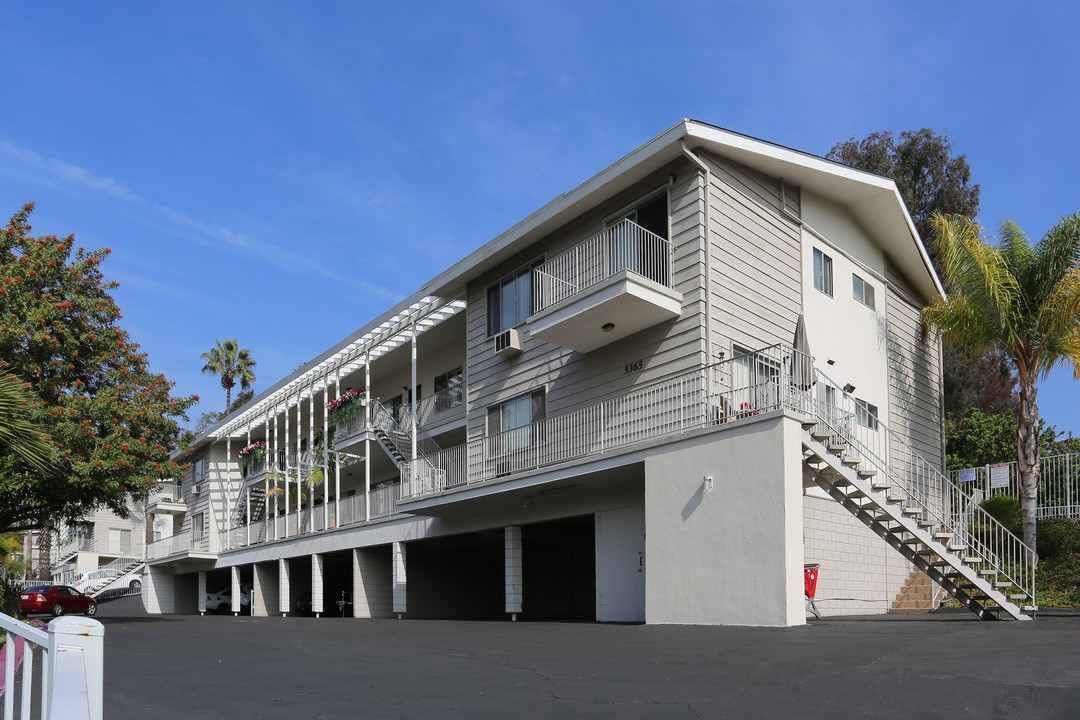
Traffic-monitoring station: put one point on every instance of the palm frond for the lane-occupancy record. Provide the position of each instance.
(1058, 253)
(19, 435)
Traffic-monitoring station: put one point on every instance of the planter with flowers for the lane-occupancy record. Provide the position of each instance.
(349, 405)
(253, 454)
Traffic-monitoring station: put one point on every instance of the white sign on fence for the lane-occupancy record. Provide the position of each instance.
(999, 475)
(968, 474)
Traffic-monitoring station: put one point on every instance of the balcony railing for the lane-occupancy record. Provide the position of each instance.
(351, 511)
(442, 405)
(741, 387)
(623, 246)
(166, 492)
(184, 542)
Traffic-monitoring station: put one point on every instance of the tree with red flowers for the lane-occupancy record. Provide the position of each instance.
(112, 422)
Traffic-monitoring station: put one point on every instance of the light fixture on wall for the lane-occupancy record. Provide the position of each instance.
(849, 388)
(607, 327)
(708, 483)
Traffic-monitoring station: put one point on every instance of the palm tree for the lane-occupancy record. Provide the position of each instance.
(1020, 299)
(19, 435)
(233, 364)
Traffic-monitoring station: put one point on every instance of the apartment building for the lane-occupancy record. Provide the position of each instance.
(655, 399)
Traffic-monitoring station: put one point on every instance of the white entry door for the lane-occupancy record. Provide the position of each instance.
(620, 565)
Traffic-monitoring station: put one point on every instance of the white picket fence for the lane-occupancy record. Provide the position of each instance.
(69, 655)
(1059, 483)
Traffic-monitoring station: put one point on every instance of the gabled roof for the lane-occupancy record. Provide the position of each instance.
(874, 201)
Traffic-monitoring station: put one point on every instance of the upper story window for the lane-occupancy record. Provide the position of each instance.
(510, 302)
(448, 389)
(198, 470)
(862, 291)
(823, 272)
(516, 412)
(866, 414)
(198, 526)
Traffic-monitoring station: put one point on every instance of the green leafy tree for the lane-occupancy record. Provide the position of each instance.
(981, 382)
(233, 364)
(111, 421)
(980, 438)
(1020, 300)
(931, 181)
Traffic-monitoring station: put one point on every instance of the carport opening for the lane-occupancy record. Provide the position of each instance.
(558, 561)
(337, 584)
(457, 577)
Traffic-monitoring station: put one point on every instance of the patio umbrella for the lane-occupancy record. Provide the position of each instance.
(802, 374)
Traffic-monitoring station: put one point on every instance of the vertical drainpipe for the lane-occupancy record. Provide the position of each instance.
(367, 434)
(706, 176)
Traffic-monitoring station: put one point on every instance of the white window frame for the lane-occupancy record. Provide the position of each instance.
(522, 274)
(866, 414)
(823, 272)
(863, 291)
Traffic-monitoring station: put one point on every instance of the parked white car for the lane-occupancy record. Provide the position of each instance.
(221, 601)
(90, 581)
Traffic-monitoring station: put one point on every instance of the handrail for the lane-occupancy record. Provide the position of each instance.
(939, 499)
(72, 672)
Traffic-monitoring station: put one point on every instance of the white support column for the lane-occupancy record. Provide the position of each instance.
(367, 435)
(311, 455)
(283, 586)
(399, 579)
(67, 636)
(412, 397)
(337, 458)
(235, 572)
(512, 556)
(317, 584)
(201, 604)
(227, 492)
(287, 499)
(247, 496)
(325, 465)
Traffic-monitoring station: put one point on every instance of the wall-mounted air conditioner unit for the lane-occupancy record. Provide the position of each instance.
(508, 343)
(196, 489)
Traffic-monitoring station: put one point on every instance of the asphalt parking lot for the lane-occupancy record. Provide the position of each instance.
(948, 666)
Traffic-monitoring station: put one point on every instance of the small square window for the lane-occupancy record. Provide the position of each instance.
(866, 414)
(862, 291)
(823, 272)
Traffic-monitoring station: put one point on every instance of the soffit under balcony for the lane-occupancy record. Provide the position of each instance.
(625, 303)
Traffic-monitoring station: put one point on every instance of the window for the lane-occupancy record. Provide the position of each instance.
(448, 390)
(119, 541)
(198, 470)
(755, 382)
(401, 405)
(198, 526)
(823, 272)
(862, 291)
(518, 412)
(642, 253)
(866, 414)
(510, 301)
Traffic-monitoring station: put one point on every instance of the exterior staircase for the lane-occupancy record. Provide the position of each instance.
(981, 564)
(122, 567)
(917, 596)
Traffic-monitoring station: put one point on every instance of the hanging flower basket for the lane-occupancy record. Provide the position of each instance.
(255, 452)
(349, 404)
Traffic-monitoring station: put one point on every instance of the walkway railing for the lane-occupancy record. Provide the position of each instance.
(623, 246)
(741, 387)
(1059, 483)
(72, 665)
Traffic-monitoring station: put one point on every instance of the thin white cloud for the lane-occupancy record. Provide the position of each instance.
(57, 173)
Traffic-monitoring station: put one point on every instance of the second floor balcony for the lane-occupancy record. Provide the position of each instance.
(608, 287)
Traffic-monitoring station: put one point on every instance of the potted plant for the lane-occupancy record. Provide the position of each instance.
(255, 452)
(350, 403)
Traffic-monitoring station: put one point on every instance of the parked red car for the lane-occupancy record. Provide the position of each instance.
(56, 599)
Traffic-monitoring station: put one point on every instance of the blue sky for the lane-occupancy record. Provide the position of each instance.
(283, 172)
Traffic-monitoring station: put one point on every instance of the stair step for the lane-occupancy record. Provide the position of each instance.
(881, 485)
(896, 498)
(809, 424)
(913, 540)
(927, 524)
(942, 536)
(837, 449)
(821, 435)
(912, 511)
(1018, 597)
(867, 473)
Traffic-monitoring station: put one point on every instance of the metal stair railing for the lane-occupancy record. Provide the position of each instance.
(940, 500)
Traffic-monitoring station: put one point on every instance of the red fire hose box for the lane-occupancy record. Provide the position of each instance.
(810, 574)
